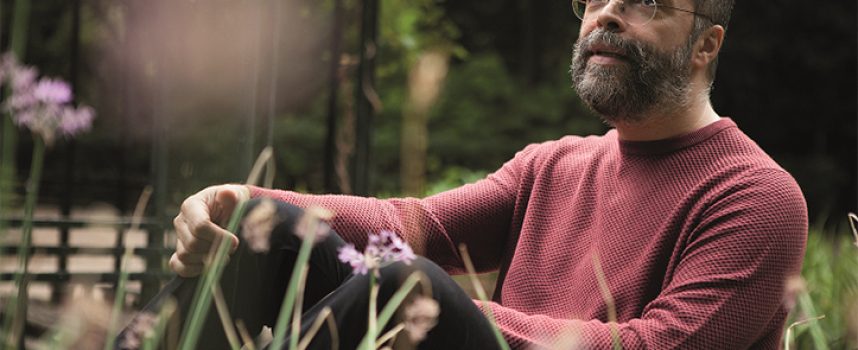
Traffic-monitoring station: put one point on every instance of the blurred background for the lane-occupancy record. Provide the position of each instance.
(215, 81)
(391, 97)
(208, 84)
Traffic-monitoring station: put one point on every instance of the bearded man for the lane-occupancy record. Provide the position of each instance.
(672, 230)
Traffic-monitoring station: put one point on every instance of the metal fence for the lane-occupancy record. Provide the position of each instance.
(157, 224)
(154, 255)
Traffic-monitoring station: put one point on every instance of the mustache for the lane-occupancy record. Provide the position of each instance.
(631, 49)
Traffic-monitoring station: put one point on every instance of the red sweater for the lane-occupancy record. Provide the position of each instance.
(695, 236)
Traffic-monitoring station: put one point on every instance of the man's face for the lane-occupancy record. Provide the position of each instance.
(624, 78)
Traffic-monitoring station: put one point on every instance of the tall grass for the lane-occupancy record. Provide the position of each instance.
(830, 272)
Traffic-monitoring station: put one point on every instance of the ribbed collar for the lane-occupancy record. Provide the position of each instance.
(677, 142)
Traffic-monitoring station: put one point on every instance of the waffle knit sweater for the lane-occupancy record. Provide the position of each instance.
(694, 235)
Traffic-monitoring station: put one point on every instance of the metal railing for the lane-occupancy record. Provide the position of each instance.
(151, 277)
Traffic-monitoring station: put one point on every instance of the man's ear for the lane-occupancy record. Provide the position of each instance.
(708, 45)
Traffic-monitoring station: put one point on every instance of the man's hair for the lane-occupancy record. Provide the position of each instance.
(719, 11)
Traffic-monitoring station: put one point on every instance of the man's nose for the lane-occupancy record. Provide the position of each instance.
(611, 17)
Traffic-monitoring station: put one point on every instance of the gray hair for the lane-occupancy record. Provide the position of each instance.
(719, 11)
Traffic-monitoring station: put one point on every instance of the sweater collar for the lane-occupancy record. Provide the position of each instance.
(677, 142)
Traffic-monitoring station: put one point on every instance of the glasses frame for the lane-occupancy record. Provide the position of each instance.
(657, 6)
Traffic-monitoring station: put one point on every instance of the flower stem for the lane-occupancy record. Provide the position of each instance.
(18, 46)
(119, 298)
(372, 325)
(292, 290)
(297, 309)
(368, 341)
(16, 315)
(816, 333)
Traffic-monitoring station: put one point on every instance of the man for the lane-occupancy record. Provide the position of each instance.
(673, 230)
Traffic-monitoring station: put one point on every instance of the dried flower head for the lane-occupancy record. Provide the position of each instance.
(793, 288)
(420, 316)
(142, 326)
(258, 224)
(314, 221)
(83, 323)
(385, 247)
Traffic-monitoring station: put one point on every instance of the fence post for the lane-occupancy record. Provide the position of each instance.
(57, 288)
(365, 93)
(159, 164)
(333, 92)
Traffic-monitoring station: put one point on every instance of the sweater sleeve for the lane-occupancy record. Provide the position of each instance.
(725, 292)
(477, 215)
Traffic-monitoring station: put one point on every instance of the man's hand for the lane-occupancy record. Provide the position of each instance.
(200, 224)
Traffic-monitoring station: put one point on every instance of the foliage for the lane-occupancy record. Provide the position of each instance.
(830, 272)
(514, 57)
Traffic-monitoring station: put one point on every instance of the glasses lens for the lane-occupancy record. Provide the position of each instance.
(635, 12)
(640, 12)
(579, 6)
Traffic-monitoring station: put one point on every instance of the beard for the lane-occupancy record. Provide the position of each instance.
(646, 82)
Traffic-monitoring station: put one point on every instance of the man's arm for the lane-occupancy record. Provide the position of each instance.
(725, 293)
(477, 215)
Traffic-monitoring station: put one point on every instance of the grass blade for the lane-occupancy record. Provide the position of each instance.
(481, 293)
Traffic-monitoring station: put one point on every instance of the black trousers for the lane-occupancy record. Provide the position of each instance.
(254, 285)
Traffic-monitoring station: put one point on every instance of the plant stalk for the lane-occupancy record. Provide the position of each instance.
(292, 290)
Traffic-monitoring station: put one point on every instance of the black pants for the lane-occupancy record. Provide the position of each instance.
(254, 285)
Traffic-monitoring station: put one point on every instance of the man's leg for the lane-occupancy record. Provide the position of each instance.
(253, 283)
(262, 278)
(461, 325)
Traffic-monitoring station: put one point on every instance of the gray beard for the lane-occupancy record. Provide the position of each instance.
(649, 81)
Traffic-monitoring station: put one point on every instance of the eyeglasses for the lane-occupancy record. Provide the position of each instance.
(635, 12)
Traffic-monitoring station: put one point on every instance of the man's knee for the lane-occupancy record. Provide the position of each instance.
(268, 224)
(393, 275)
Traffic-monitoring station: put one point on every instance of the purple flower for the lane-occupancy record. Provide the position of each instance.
(392, 248)
(76, 120)
(385, 247)
(23, 77)
(360, 262)
(21, 100)
(52, 91)
(42, 105)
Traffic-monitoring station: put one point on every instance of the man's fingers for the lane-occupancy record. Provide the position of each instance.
(187, 256)
(225, 201)
(183, 269)
(187, 240)
(197, 226)
(188, 264)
